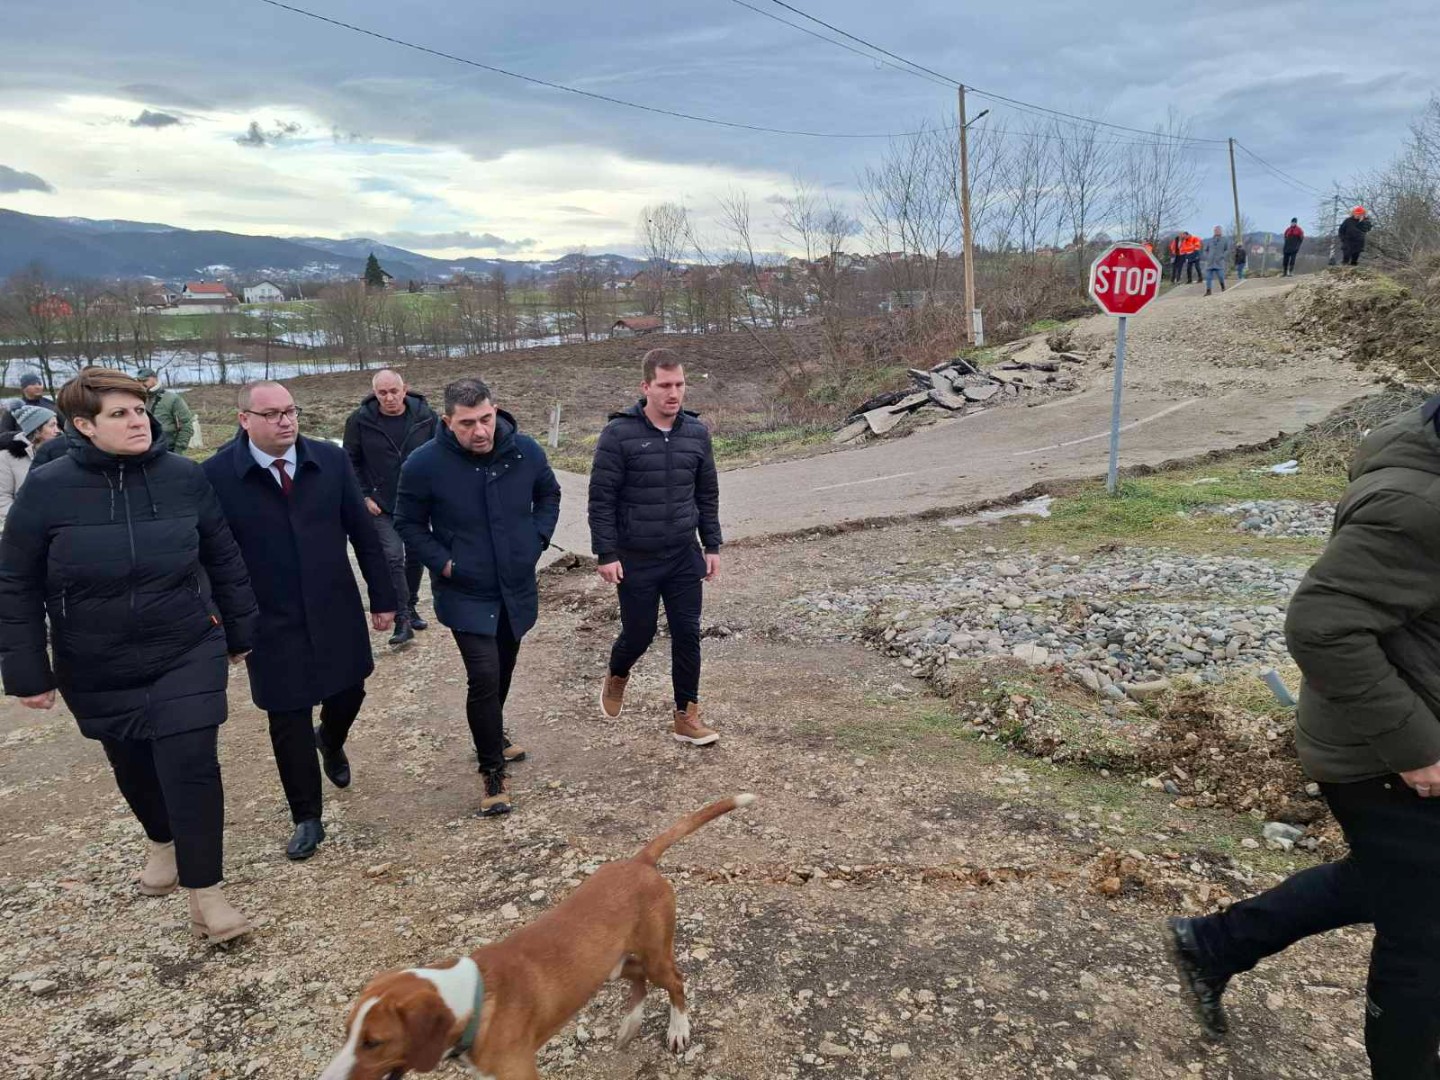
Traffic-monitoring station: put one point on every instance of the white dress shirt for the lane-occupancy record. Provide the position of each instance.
(267, 462)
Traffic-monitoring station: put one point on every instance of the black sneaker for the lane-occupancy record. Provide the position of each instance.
(1205, 991)
(416, 622)
(497, 795)
(403, 635)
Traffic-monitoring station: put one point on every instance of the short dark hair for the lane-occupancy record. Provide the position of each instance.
(244, 399)
(466, 393)
(82, 396)
(656, 359)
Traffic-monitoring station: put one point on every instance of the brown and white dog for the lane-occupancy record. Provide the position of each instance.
(618, 924)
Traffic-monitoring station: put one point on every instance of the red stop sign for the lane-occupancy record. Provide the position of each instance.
(1125, 279)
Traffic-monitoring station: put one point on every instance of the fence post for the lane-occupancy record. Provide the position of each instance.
(555, 426)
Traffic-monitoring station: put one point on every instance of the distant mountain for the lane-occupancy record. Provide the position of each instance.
(80, 247)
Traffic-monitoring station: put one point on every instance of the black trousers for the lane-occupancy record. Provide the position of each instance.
(1192, 265)
(678, 581)
(1175, 269)
(1351, 257)
(1287, 265)
(1391, 879)
(174, 790)
(489, 666)
(406, 569)
(292, 737)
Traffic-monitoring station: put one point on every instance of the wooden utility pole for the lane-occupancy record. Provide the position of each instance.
(967, 239)
(1235, 192)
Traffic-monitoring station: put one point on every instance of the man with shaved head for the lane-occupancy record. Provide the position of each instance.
(390, 424)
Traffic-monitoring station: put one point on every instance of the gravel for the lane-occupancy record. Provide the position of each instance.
(1130, 619)
(1280, 517)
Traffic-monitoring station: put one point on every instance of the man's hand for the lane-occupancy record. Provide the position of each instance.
(1426, 782)
(236, 657)
(382, 620)
(612, 572)
(449, 566)
(712, 567)
(40, 701)
(373, 507)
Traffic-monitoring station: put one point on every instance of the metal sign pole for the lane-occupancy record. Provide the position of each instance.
(1112, 479)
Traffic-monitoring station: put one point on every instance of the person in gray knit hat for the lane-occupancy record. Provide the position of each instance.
(36, 425)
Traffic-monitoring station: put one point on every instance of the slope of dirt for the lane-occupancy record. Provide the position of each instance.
(903, 901)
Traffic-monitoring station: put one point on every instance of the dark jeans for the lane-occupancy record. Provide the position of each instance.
(406, 569)
(1175, 264)
(489, 666)
(1351, 258)
(173, 788)
(678, 581)
(1287, 265)
(1391, 879)
(292, 736)
(1192, 265)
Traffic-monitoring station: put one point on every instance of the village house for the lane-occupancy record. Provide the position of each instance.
(265, 292)
(636, 325)
(214, 296)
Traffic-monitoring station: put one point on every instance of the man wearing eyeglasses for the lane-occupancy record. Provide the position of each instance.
(292, 504)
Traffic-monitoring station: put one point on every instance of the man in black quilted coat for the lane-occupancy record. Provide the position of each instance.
(655, 528)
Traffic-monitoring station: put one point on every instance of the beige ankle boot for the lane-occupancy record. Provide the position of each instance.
(212, 917)
(689, 729)
(160, 878)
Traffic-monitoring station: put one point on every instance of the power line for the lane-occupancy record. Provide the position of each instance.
(832, 41)
(1299, 185)
(734, 124)
(1013, 102)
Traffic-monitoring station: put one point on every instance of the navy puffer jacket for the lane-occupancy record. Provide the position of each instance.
(651, 491)
(115, 551)
(491, 516)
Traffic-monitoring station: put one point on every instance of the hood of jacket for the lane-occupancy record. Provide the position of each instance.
(86, 454)
(18, 446)
(505, 431)
(415, 403)
(1410, 441)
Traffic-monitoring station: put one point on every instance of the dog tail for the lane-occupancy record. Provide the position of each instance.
(652, 851)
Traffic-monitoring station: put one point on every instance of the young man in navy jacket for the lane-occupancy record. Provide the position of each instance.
(655, 527)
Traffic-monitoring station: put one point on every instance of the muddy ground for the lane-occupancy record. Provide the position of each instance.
(905, 899)
(734, 379)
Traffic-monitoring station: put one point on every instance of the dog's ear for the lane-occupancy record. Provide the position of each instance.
(427, 1023)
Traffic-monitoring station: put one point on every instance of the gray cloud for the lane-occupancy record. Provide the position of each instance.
(257, 137)
(579, 210)
(148, 119)
(164, 95)
(468, 240)
(14, 180)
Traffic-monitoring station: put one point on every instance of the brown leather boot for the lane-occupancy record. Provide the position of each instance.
(160, 877)
(213, 919)
(689, 729)
(496, 800)
(612, 696)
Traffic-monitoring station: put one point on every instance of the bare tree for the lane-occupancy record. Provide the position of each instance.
(665, 233)
(33, 316)
(579, 293)
(1404, 197)
(1087, 170)
(909, 201)
(758, 269)
(1158, 180)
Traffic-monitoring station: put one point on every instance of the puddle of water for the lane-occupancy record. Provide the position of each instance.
(1033, 508)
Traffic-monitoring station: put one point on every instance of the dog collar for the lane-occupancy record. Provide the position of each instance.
(472, 1029)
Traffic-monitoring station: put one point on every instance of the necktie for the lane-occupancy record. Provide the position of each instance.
(285, 482)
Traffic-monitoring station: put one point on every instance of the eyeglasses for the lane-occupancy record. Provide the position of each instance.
(274, 416)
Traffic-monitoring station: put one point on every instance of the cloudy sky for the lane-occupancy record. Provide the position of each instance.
(245, 117)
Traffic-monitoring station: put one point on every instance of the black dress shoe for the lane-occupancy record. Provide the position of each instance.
(1204, 990)
(334, 762)
(308, 835)
(403, 635)
(416, 622)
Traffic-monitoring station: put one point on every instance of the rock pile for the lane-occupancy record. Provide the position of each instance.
(1280, 517)
(958, 386)
(1121, 623)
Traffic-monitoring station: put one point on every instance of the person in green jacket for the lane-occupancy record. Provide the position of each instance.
(171, 409)
(1364, 627)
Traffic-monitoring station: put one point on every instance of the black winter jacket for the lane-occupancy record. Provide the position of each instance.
(116, 551)
(651, 491)
(1352, 232)
(375, 457)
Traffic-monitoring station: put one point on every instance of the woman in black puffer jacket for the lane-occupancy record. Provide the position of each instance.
(114, 543)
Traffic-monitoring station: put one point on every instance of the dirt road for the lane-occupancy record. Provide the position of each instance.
(904, 901)
(1202, 374)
